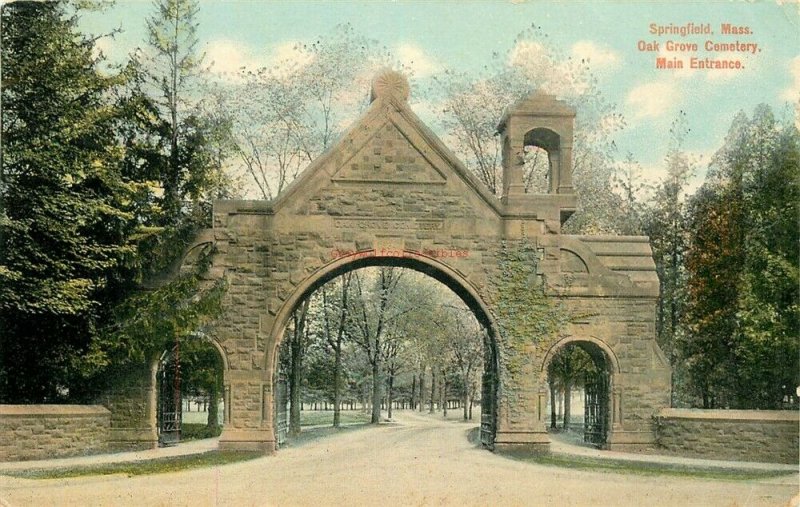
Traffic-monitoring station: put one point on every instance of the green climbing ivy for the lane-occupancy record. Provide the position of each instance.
(526, 316)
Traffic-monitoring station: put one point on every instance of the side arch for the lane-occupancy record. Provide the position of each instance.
(607, 351)
(215, 343)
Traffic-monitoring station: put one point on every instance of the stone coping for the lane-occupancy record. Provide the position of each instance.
(53, 410)
(730, 415)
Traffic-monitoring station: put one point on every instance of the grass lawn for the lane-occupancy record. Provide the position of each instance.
(198, 432)
(145, 467)
(321, 417)
(643, 468)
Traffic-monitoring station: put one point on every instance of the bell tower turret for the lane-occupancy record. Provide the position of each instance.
(544, 122)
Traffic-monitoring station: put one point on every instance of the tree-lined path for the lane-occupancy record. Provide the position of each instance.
(419, 460)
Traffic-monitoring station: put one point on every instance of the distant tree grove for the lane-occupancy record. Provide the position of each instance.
(107, 171)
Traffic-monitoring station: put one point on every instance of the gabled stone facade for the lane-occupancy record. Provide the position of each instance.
(390, 193)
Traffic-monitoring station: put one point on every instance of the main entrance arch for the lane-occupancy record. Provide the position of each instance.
(429, 266)
(391, 192)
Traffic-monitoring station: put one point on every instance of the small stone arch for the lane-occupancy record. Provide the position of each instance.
(544, 138)
(606, 400)
(212, 340)
(610, 356)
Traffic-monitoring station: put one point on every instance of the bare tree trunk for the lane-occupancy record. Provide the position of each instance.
(389, 395)
(337, 366)
(466, 399)
(337, 387)
(422, 390)
(433, 390)
(444, 395)
(552, 404)
(567, 400)
(376, 392)
(413, 392)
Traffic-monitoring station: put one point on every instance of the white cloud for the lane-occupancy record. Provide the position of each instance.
(549, 76)
(530, 55)
(415, 58)
(115, 49)
(104, 45)
(652, 100)
(792, 93)
(599, 57)
(292, 53)
(227, 57)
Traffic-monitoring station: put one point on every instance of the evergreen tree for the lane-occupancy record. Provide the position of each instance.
(744, 298)
(65, 221)
(667, 228)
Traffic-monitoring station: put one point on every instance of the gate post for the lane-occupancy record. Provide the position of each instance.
(250, 414)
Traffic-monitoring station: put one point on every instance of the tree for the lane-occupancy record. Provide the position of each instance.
(668, 230)
(287, 115)
(335, 337)
(566, 369)
(466, 346)
(742, 312)
(176, 151)
(294, 348)
(65, 222)
(371, 315)
(171, 65)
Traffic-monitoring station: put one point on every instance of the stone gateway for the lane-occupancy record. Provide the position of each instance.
(391, 193)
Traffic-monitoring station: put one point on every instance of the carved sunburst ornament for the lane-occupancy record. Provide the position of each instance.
(390, 83)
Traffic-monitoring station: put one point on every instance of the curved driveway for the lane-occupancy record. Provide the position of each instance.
(418, 461)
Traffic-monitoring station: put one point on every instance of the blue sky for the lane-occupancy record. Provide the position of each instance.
(430, 36)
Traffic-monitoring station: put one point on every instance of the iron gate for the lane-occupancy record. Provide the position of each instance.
(281, 410)
(595, 416)
(488, 394)
(169, 403)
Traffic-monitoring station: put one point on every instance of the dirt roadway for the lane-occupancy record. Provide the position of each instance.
(419, 461)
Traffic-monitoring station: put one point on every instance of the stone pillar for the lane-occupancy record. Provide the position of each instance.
(131, 398)
(565, 168)
(249, 411)
(554, 177)
(513, 163)
(521, 422)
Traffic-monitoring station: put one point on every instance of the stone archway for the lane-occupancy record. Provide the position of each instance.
(600, 393)
(421, 263)
(390, 189)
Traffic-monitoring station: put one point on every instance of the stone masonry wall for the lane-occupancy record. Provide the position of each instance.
(627, 326)
(745, 435)
(390, 193)
(52, 431)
